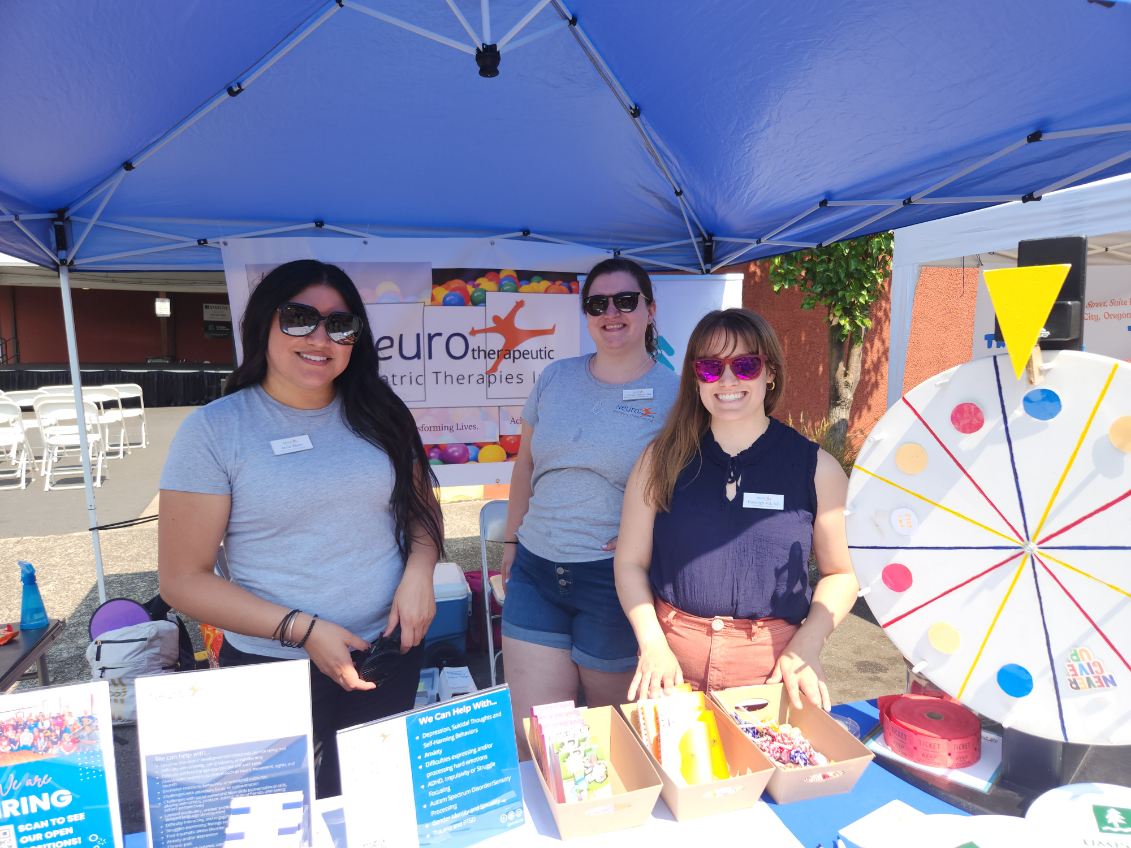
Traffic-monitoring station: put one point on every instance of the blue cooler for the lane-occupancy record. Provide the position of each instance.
(448, 633)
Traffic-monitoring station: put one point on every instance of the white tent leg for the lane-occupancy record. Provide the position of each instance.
(84, 450)
(904, 280)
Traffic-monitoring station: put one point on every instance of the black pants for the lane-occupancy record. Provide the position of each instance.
(333, 708)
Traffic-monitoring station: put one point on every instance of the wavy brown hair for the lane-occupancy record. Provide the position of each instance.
(678, 442)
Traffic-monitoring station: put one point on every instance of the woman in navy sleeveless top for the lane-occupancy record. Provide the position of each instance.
(720, 516)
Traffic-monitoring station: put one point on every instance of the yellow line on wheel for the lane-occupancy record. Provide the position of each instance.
(1010, 539)
(993, 624)
(1075, 450)
(1062, 563)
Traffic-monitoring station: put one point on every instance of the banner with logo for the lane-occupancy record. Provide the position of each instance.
(1107, 315)
(464, 327)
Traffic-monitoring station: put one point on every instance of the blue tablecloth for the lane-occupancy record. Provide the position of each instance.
(818, 822)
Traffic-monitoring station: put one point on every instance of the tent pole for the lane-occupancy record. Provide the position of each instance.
(475, 40)
(84, 448)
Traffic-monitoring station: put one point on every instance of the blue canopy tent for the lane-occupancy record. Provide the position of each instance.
(689, 135)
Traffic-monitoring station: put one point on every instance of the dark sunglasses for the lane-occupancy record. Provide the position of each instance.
(298, 319)
(745, 367)
(598, 304)
(378, 663)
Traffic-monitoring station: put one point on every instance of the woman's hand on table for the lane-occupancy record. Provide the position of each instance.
(329, 646)
(657, 671)
(799, 671)
(414, 607)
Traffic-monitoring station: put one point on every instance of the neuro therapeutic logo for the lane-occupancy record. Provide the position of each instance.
(512, 334)
(635, 411)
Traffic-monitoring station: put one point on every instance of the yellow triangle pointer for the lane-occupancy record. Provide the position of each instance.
(1023, 298)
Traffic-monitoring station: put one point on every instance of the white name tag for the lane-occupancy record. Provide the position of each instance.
(636, 394)
(292, 445)
(757, 500)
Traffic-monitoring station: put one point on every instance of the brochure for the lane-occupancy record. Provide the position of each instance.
(58, 786)
(443, 774)
(226, 756)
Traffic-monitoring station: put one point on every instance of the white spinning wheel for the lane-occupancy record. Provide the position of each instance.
(989, 522)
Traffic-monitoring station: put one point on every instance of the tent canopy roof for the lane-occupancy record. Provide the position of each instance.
(638, 125)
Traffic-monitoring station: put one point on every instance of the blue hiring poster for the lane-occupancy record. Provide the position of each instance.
(446, 774)
(58, 787)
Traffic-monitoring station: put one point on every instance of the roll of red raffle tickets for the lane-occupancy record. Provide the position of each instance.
(931, 731)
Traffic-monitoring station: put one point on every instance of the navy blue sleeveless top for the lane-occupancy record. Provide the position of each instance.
(746, 558)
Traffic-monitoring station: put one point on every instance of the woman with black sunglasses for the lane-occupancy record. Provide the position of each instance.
(584, 424)
(311, 472)
(720, 515)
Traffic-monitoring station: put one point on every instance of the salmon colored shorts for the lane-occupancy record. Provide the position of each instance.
(721, 652)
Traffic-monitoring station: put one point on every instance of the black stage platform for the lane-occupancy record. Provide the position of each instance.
(161, 385)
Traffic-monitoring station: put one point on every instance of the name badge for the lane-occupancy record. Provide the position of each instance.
(757, 500)
(294, 444)
(636, 394)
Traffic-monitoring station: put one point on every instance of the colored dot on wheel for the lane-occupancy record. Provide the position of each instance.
(944, 637)
(1042, 404)
(897, 577)
(910, 458)
(1120, 433)
(1015, 680)
(967, 418)
(904, 521)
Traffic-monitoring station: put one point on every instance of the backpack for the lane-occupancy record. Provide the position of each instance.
(125, 653)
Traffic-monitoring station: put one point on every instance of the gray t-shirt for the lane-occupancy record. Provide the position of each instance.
(310, 529)
(587, 436)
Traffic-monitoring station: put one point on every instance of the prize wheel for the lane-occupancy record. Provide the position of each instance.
(989, 521)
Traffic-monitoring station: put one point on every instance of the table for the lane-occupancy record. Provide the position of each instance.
(26, 650)
(810, 822)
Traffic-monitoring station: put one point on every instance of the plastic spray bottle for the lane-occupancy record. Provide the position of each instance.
(32, 614)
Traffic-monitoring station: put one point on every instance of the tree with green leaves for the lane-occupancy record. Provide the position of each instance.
(845, 278)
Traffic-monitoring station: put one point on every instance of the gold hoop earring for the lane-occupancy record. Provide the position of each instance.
(770, 385)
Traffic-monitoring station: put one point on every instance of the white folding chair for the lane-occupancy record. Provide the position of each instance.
(67, 390)
(13, 441)
(111, 416)
(492, 528)
(131, 391)
(58, 425)
(25, 399)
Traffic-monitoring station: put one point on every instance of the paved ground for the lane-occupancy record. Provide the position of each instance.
(49, 530)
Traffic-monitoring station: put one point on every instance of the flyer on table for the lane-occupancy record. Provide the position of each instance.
(446, 774)
(58, 787)
(227, 756)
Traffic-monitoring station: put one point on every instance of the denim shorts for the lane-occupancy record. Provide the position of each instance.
(569, 605)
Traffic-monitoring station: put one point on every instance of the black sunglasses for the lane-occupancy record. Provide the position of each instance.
(597, 304)
(298, 319)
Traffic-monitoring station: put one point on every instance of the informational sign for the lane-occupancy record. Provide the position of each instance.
(446, 774)
(217, 312)
(464, 327)
(1107, 315)
(226, 756)
(58, 787)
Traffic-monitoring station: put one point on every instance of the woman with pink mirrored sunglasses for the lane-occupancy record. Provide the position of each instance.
(720, 516)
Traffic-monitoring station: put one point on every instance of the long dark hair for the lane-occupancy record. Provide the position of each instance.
(687, 421)
(619, 263)
(371, 408)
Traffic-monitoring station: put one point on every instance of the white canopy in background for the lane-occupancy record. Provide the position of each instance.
(988, 238)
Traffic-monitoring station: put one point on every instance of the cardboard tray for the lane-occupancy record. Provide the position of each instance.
(847, 754)
(750, 771)
(636, 785)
